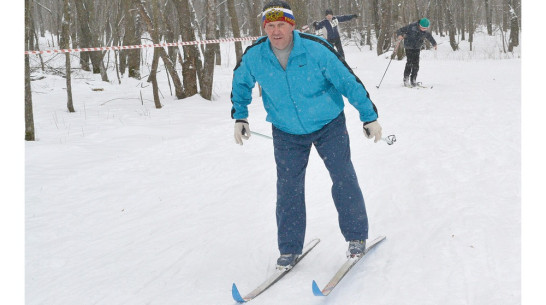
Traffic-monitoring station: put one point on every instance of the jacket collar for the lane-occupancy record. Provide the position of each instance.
(297, 49)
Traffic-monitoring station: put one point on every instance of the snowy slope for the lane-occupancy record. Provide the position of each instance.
(128, 204)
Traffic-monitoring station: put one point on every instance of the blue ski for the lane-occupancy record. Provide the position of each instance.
(344, 270)
(275, 277)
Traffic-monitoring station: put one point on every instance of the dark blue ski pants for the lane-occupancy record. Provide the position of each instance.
(291, 157)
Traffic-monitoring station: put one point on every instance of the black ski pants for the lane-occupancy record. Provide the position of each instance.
(337, 43)
(412, 64)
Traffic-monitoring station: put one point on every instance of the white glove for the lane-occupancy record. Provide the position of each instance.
(372, 129)
(242, 131)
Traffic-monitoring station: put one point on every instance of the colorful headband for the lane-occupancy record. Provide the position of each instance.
(278, 14)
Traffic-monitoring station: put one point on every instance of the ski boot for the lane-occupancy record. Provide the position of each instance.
(414, 82)
(287, 261)
(407, 82)
(356, 248)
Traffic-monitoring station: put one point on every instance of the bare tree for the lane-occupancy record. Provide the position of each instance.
(164, 56)
(29, 115)
(461, 23)
(299, 7)
(155, 62)
(88, 38)
(65, 44)
(489, 17)
(169, 28)
(514, 6)
(130, 19)
(451, 24)
(506, 14)
(398, 22)
(222, 13)
(440, 13)
(235, 28)
(208, 69)
(192, 58)
(385, 31)
(335, 6)
(254, 10)
(471, 22)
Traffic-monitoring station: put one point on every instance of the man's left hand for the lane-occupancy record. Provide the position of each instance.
(373, 129)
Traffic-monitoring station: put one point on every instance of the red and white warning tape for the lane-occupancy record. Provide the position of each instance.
(140, 46)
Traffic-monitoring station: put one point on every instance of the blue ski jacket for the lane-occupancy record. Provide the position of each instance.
(308, 94)
(332, 32)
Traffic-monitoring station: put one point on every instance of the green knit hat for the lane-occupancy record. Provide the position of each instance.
(424, 22)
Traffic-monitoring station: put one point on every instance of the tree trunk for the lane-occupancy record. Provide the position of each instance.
(385, 32)
(65, 44)
(235, 28)
(489, 18)
(192, 58)
(254, 20)
(29, 115)
(130, 58)
(471, 22)
(84, 9)
(41, 21)
(299, 7)
(36, 45)
(222, 13)
(179, 92)
(441, 20)
(217, 49)
(208, 69)
(198, 62)
(462, 9)
(399, 52)
(155, 62)
(451, 27)
(506, 16)
(514, 25)
(375, 17)
(335, 7)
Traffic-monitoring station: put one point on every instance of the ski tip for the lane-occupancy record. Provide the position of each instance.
(316, 290)
(236, 295)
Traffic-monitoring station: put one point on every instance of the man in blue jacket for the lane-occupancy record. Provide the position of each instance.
(331, 25)
(303, 80)
(414, 35)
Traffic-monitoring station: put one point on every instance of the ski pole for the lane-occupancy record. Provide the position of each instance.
(389, 139)
(261, 135)
(395, 49)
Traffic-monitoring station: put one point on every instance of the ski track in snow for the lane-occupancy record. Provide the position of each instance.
(128, 204)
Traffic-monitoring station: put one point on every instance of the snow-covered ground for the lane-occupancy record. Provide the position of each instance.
(128, 204)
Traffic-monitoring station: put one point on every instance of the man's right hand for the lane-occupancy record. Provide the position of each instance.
(372, 130)
(242, 131)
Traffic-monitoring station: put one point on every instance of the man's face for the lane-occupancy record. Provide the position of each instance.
(422, 29)
(329, 17)
(279, 33)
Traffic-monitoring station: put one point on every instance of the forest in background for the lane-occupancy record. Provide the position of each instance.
(74, 24)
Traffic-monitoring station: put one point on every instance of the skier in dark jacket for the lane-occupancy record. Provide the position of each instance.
(331, 25)
(414, 35)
